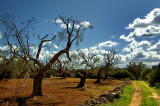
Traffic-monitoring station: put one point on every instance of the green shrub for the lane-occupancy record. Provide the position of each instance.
(122, 74)
(146, 74)
(157, 84)
(154, 77)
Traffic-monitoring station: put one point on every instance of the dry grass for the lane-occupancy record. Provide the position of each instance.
(56, 91)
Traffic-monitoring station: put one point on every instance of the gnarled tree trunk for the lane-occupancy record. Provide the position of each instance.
(37, 86)
(106, 76)
(99, 76)
(106, 72)
(82, 81)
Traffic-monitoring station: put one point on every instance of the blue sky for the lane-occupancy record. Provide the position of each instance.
(116, 23)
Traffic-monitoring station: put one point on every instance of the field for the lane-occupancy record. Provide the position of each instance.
(57, 91)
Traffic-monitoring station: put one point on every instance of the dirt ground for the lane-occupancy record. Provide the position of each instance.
(137, 97)
(57, 91)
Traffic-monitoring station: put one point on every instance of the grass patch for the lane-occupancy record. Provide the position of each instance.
(155, 88)
(126, 97)
(146, 93)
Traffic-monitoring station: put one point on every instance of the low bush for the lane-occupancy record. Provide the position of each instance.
(146, 74)
(122, 74)
(154, 77)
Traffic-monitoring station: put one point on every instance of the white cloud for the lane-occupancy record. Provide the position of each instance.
(76, 26)
(58, 21)
(55, 46)
(147, 27)
(126, 38)
(153, 18)
(64, 26)
(144, 43)
(4, 48)
(134, 45)
(141, 51)
(107, 44)
(47, 43)
(150, 31)
(1, 35)
(34, 49)
(126, 49)
(85, 24)
(155, 47)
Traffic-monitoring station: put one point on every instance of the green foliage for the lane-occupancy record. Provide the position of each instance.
(120, 74)
(5, 70)
(154, 77)
(13, 68)
(145, 74)
(136, 69)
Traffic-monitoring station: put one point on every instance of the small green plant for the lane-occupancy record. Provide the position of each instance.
(147, 100)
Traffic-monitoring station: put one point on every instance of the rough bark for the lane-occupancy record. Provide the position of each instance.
(82, 81)
(64, 75)
(37, 86)
(106, 76)
(99, 76)
(106, 73)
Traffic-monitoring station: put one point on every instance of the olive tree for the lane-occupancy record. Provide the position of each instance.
(110, 59)
(20, 40)
(89, 59)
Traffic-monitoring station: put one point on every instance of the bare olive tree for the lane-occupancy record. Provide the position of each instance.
(63, 65)
(110, 59)
(20, 40)
(89, 59)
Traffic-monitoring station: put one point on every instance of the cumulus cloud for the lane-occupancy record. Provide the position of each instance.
(153, 18)
(34, 49)
(47, 43)
(140, 55)
(147, 27)
(76, 26)
(144, 43)
(4, 48)
(58, 21)
(55, 46)
(142, 51)
(107, 44)
(126, 38)
(126, 49)
(155, 47)
(150, 31)
(134, 45)
(64, 26)
(85, 24)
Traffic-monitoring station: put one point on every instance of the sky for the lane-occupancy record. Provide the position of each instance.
(132, 27)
